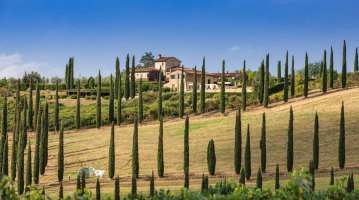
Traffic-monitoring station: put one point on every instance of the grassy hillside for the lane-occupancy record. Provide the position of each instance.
(90, 147)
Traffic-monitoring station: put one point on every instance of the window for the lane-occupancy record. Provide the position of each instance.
(179, 75)
(173, 85)
(141, 75)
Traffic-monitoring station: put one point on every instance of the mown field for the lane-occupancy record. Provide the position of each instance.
(89, 147)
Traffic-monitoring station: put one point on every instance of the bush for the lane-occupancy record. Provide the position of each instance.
(155, 88)
(62, 96)
(106, 97)
(87, 97)
(49, 97)
(74, 96)
(93, 97)
(166, 89)
(42, 96)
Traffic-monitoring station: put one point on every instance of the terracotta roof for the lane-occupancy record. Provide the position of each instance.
(199, 72)
(147, 69)
(163, 59)
(226, 74)
(190, 71)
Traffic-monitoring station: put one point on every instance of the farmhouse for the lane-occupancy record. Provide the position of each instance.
(166, 64)
(143, 73)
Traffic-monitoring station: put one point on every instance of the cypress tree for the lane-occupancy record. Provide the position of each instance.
(279, 76)
(263, 145)
(15, 135)
(290, 142)
(223, 90)
(238, 143)
(57, 124)
(133, 186)
(312, 172)
(186, 179)
(247, 156)
(117, 188)
(344, 66)
(203, 186)
(331, 177)
(160, 164)
(37, 148)
(352, 179)
(277, 177)
(331, 75)
(111, 154)
(140, 103)
(186, 152)
(242, 179)
(119, 102)
(42, 146)
(43, 191)
(3, 128)
(78, 105)
(285, 97)
(66, 76)
(194, 91)
(20, 164)
(306, 75)
(83, 181)
(244, 88)
(356, 60)
(261, 83)
(98, 102)
(159, 98)
(46, 132)
(316, 142)
(78, 183)
(342, 139)
(181, 98)
(127, 73)
(206, 180)
(266, 83)
(152, 185)
(203, 87)
(111, 103)
(30, 105)
(13, 157)
(325, 76)
(135, 163)
(98, 190)
(61, 192)
(37, 102)
(321, 69)
(259, 179)
(5, 167)
(17, 112)
(117, 77)
(292, 81)
(349, 182)
(28, 168)
(211, 157)
(133, 85)
(60, 156)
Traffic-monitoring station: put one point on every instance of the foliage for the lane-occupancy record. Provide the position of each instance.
(290, 151)
(211, 157)
(292, 79)
(111, 154)
(186, 153)
(98, 102)
(247, 156)
(306, 75)
(238, 143)
(314, 69)
(223, 102)
(74, 96)
(147, 60)
(203, 92)
(279, 76)
(140, 103)
(277, 177)
(263, 146)
(160, 163)
(181, 103)
(324, 73)
(285, 95)
(154, 75)
(244, 88)
(194, 91)
(344, 66)
(341, 151)
(266, 83)
(60, 155)
(316, 142)
(127, 78)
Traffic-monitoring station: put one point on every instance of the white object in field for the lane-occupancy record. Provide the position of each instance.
(99, 173)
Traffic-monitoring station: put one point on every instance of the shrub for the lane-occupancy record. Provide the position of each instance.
(87, 97)
(74, 96)
(49, 96)
(62, 96)
(155, 88)
(42, 96)
(166, 89)
(106, 97)
(93, 97)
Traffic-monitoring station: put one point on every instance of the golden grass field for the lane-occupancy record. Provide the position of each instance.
(89, 147)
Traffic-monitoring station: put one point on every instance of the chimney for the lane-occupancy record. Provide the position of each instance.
(227, 72)
(192, 69)
(159, 56)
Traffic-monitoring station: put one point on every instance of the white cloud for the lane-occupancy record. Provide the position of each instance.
(235, 48)
(12, 66)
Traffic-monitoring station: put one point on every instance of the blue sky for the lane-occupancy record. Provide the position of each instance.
(42, 35)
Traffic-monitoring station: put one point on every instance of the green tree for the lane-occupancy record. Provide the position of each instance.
(98, 102)
(247, 156)
(57, 123)
(160, 164)
(263, 145)
(242, 179)
(119, 103)
(147, 60)
(356, 60)
(181, 98)
(46, 126)
(37, 102)
(203, 87)
(331, 177)
(42, 147)
(111, 103)
(98, 189)
(78, 183)
(316, 142)
(61, 192)
(342, 139)
(133, 186)
(117, 77)
(111, 154)
(133, 85)
(277, 177)
(312, 172)
(5, 167)
(306, 76)
(152, 185)
(60, 155)
(127, 79)
(223, 90)
(321, 68)
(78, 117)
(290, 143)
(238, 142)
(266, 83)
(186, 152)
(244, 88)
(261, 83)
(37, 148)
(117, 188)
(3, 130)
(20, 166)
(30, 105)
(259, 179)
(285, 96)
(135, 163)
(292, 81)
(279, 76)
(159, 98)
(28, 168)
(325, 76)
(211, 157)
(140, 102)
(83, 181)
(67, 76)
(331, 75)
(194, 91)
(13, 158)
(344, 66)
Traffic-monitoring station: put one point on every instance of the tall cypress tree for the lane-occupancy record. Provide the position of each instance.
(194, 91)
(331, 177)
(342, 139)
(37, 102)
(203, 87)
(13, 157)
(344, 66)
(312, 172)
(78, 183)
(160, 164)
(111, 103)
(140, 102)
(242, 179)
(152, 185)
(186, 151)
(238, 143)
(306, 75)
(325, 76)
(83, 181)
(133, 187)
(37, 148)
(119, 102)
(17, 113)
(117, 188)
(111, 154)
(159, 98)
(20, 165)
(46, 126)
(285, 96)
(290, 143)
(263, 145)
(266, 83)
(211, 157)
(98, 102)
(3, 129)
(127, 79)
(181, 99)
(292, 79)
(30, 105)
(247, 156)
(61, 192)
(133, 85)
(331, 75)
(117, 77)
(261, 82)
(244, 87)
(356, 60)
(57, 123)
(66, 76)
(98, 190)
(78, 105)
(42, 145)
(277, 177)
(28, 168)
(223, 90)
(321, 69)
(259, 179)
(5, 167)
(135, 163)
(316, 142)
(15, 136)
(60, 156)
(279, 76)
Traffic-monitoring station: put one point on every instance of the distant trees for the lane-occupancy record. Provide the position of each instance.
(147, 60)
(69, 74)
(159, 98)
(127, 78)
(203, 82)
(324, 76)
(306, 76)
(285, 95)
(154, 75)
(342, 139)
(290, 151)
(292, 81)
(98, 102)
(119, 102)
(266, 83)
(140, 102)
(111, 107)
(356, 60)
(244, 88)
(133, 85)
(57, 124)
(331, 75)
(78, 105)
(344, 66)
(261, 82)
(117, 77)
(279, 76)
(30, 114)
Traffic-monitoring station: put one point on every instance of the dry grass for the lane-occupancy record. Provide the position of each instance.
(90, 147)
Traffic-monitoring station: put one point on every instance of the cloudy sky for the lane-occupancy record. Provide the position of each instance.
(42, 35)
